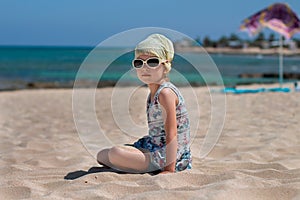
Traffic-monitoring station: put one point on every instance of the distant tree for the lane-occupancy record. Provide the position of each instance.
(234, 37)
(271, 37)
(297, 42)
(259, 40)
(223, 41)
(214, 44)
(260, 37)
(207, 42)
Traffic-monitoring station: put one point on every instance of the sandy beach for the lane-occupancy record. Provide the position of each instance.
(256, 157)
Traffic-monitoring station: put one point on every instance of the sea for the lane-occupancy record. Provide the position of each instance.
(24, 67)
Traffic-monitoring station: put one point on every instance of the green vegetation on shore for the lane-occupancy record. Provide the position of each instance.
(235, 41)
(260, 45)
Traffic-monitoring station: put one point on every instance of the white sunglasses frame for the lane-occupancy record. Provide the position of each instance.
(145, 62)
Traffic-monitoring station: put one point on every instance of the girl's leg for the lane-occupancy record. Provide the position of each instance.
(124, 158)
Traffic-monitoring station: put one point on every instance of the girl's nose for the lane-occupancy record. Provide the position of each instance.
(145, 67)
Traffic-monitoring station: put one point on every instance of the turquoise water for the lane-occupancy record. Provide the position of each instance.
(22, 65)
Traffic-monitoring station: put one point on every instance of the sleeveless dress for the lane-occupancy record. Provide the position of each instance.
(155, 142)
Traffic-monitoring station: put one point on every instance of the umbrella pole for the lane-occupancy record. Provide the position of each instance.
(280, 61)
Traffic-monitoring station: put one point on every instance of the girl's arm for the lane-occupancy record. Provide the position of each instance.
(168, 100)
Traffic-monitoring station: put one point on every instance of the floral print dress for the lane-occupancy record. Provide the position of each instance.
(155, 142)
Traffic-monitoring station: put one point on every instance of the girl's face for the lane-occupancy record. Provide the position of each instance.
(151, 75)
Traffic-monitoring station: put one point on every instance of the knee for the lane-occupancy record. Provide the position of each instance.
(114, 154)
(115, 151)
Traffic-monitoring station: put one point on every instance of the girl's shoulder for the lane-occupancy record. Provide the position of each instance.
(167, 96)
(169, 91)
(170, 87)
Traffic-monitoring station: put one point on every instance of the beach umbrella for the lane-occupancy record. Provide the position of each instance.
(278, 17)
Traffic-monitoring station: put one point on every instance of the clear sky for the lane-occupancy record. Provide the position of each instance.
(88, 22)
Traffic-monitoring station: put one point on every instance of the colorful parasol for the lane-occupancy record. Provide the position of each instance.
(278, 17)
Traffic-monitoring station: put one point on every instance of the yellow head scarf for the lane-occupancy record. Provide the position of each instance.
(158, 45)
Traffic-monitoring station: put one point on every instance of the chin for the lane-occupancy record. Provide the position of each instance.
(152, 82)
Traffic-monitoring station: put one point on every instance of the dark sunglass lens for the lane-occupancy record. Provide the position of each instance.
(153, 62)
(138, 63)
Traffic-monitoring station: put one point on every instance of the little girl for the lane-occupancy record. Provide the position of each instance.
(167, 147)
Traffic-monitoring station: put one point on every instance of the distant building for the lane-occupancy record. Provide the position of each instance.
(265, 44)
(185, 42)
(245, 45)
(235, 44)
(291, 44)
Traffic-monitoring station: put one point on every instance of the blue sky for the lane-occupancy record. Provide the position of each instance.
(88, 22)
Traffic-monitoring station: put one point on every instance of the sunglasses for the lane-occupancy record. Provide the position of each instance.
(151, 62)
